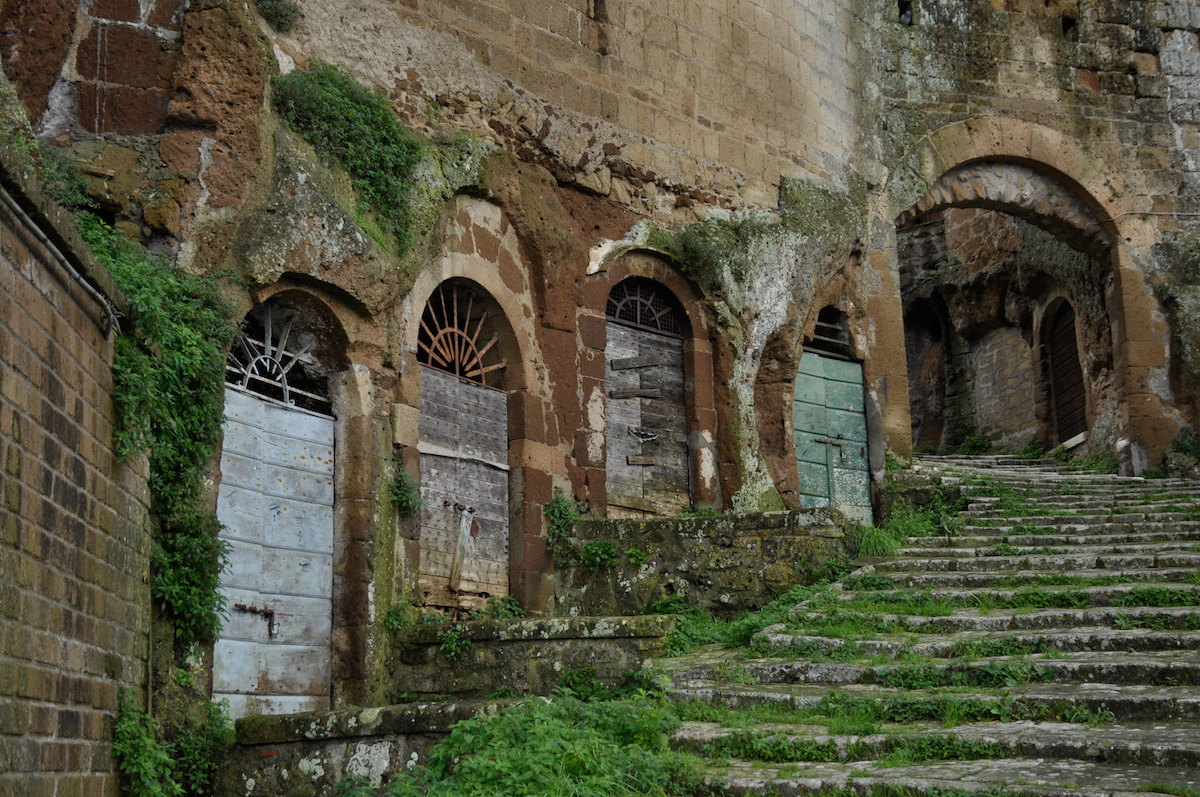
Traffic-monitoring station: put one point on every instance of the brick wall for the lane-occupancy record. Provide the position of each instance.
(74, 599)
(1003, 387)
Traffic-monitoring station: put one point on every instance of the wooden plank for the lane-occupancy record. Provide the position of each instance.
(645, 361)
(637, 392)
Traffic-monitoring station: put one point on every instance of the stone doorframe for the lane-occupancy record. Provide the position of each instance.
(1097, 182)
(698, 367)
(480, 246)
(357, 432)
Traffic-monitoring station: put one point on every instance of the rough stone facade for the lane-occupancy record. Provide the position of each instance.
(1004, 387)
(74, 534)
(759, 160)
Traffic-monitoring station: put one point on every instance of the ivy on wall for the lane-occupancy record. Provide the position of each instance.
(168, 373)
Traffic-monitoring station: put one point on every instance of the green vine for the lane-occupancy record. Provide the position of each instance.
(346, 122)
(168, 373)
(561, 514)
(598, 554)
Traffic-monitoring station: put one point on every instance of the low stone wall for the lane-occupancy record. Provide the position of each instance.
(522, 656)
(305, 755)
(725, 564)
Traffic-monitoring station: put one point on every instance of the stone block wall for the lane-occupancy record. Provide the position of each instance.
(726, 564)
(1003, 389)
(74, 537)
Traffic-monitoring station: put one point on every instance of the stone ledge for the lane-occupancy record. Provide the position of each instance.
(652, 625)
(407, 718)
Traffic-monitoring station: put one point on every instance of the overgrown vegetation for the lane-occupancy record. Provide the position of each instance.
(555, 747)
(168, 373)
(598, 554)
(561, 513)
(281, 15)
(405, 491)
(499, 608)
(348, 123)
(183, 765)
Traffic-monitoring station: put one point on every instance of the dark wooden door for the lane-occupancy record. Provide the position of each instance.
(645, 427)
(1070, 403)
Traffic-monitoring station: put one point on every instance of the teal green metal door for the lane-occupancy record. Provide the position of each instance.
(830, 425)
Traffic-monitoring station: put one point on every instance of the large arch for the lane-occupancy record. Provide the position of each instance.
(1124, 210)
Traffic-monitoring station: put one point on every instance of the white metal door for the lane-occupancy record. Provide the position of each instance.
(276, 505)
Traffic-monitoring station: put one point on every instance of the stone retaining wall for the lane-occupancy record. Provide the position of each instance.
(477, 658)
(724, 564)
(303, 755)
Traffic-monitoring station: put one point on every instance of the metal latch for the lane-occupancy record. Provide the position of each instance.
(272, 629)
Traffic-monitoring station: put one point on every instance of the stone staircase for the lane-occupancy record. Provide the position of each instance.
(1049, 647)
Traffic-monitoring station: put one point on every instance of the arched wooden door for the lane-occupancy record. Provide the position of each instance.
(1066, 376)
(830, 423)
(463, 441)
(275, 504)
(645, 423)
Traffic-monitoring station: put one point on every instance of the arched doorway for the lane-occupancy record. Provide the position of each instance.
(463, 442)
(646, 415)
(275, 504)
(1066, 375)
(830, 422)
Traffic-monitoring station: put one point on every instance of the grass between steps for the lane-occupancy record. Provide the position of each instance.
(851, 715)
(898, 750)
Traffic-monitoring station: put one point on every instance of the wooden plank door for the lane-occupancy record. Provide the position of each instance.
(276, 505)
(463, 437)
(645, 424)
(1070, 401)
(830, 423)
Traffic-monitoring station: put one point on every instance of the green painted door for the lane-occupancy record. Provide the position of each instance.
(830, 425)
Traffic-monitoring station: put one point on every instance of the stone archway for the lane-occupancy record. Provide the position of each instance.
(1018, 190)
(646, 435)
(464, 347)
(1020, 231)
(276, 505)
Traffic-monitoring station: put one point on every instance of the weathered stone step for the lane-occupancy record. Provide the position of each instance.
(1053, 563)
(1094, 596)
(1174, 744)
(950, 645)
(986, 518)
(1180, 619)
(949, 578)
(1021, 777)
(1026, 547)
(1185, 529)
(1049, 536)
(1126, 703)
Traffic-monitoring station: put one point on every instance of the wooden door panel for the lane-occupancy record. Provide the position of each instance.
(645, 432)
(276, 501)
(464, 463)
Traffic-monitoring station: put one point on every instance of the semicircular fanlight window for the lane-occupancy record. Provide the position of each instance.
(274, 359)
(646, 305)
(456, 336)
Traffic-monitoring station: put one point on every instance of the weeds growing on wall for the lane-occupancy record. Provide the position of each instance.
(348, 123)
(405, 491)
(168, 373)
(561, 513)
(183, 765)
